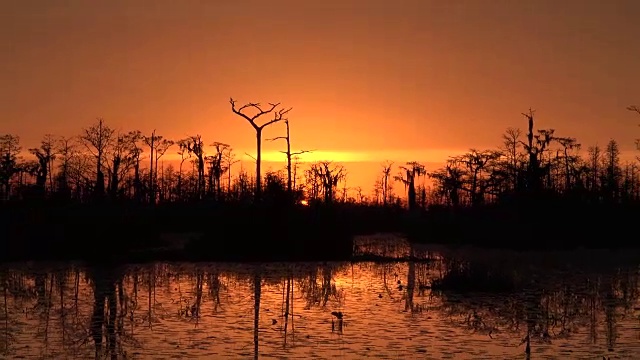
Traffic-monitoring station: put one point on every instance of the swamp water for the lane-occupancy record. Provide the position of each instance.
(438, 304)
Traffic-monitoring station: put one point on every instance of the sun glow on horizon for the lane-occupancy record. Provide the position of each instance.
(428, 155)
(345, 156)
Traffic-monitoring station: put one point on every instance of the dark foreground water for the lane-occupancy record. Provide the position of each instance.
(573, 305)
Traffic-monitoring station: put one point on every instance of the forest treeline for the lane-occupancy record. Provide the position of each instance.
(102, 164)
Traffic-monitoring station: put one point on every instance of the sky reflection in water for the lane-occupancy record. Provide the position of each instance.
(569, 304)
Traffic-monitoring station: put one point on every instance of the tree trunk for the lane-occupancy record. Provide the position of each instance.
(412, 193)
(152, 196)
(258, 160)
(288, 160)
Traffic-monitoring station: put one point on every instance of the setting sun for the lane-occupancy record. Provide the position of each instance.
(319, 179)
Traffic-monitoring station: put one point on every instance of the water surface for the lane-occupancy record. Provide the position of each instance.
(581, 305)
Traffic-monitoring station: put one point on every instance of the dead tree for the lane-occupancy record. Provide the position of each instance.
(158, 146)
(135, 137)
(511, 142)
(67, 151)
(124, 157)
(216, 169)
(97, 139)
(412, 170)
(535, 150)
(184, 153)
(329, 177)
(9, 152)
(568, 144)
(195, 146)
(289, 154)
(636, 109)
(229, 157)
(151, 143)
(161, 148)
(278, 116)
(384, 183)
(45, 155)
(476, 163)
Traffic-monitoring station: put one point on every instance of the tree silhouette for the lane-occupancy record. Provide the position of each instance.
(45, 155)
(511, 143)
(135, 138)
(217, 168)
(384, 183)
(289, 155)
(66, 149)
(97, 139)
(329, 176)
(536, 146)
(407, 176)
(158, 146)
(9, 150)
(195, 147)
(125, 155)
(636, 109)
(229, 159)
(278, 116)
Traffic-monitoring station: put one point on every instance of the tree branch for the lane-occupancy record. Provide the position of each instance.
(252, 119)
(302, 152)
(279, 116)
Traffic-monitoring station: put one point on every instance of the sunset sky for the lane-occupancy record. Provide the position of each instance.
(368, 80)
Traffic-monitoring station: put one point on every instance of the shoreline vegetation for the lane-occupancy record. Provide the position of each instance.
(91, 198)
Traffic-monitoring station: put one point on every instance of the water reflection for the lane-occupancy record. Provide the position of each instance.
(459, 304)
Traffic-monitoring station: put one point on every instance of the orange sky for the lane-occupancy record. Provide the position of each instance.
(413, 78)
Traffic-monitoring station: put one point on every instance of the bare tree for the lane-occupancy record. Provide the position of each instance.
(449, 181)
(329, 177)
(195, 146)
(158, 146)
(183, 151)
(636, 109)
(289, 154)
(229, 159)
(217, 168)
(412, 170)
(45, 156)
(278, 116)
(9, 151)
(66, 148)
(568, 144)
(124, 157)
(536, 146)
(135, 138)
(511, 142)
(97, 139)
(595, 159)
(384, 183)
(162, 145)
(612, 170)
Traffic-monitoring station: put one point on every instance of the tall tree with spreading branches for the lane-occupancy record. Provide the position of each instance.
(97, 139)
(278, 115)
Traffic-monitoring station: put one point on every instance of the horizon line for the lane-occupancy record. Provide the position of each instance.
(439, 156)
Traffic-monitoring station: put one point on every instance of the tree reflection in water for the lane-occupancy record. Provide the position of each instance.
(543, 310)
(199, 310)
